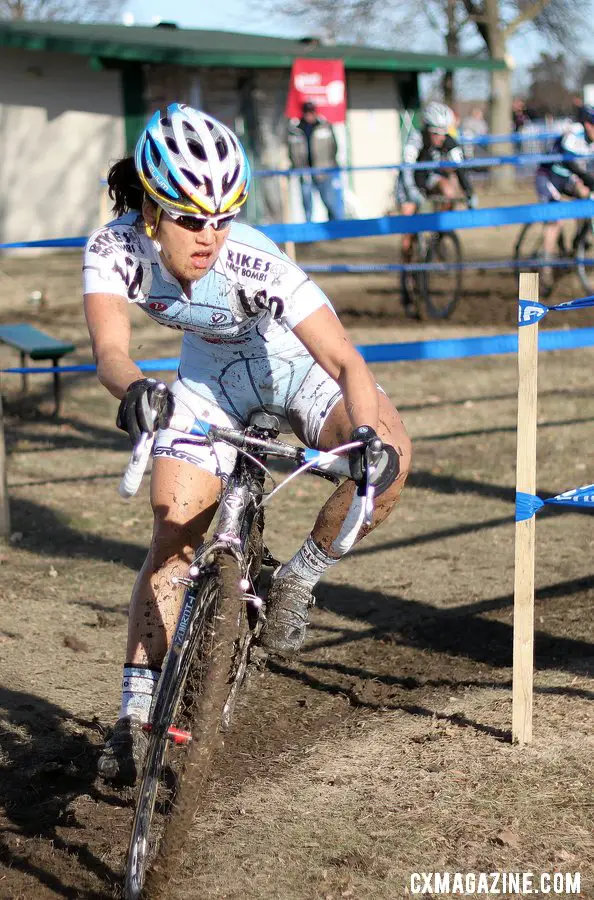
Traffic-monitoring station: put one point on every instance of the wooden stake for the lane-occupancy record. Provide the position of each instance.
(523, 660)
(4, 508)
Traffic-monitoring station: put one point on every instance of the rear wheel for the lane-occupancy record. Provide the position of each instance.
(195, 685)
(413, 284)
(530, 248)
(443, 288)
(584, 252)
(530, 244)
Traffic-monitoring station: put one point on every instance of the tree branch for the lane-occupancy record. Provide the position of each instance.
(476, 15)
(528, 15)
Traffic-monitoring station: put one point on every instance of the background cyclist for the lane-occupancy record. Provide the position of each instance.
(433, 143)
(569, 178)
(257, 334)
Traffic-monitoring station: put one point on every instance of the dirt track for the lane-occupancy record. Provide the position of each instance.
(383, 751)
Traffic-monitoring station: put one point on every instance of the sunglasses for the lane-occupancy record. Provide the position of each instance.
(199, 223)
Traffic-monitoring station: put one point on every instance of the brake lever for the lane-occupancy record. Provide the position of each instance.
(373, 454)
(327, 475)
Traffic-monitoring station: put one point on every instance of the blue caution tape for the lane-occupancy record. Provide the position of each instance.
(50, 242)
(517, 137)
(452, 348)
(447, 220)
(482, 162)
(529, 504)
(530, 311)
(582, 496)
(147, 365)
(478, 265)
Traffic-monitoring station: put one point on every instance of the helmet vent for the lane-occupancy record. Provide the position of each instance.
(208, 186)
(233, 177)
(197, 150)
(222, 149)
(165, 122)
(191, 177)
(173, 183)
(172, 144)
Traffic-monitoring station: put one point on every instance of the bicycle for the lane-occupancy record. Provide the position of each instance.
(434, 294)
(530, 248)
(214, 649)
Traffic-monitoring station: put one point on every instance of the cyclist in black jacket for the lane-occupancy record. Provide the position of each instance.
(433, 144)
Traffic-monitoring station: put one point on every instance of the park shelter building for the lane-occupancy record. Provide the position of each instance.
(73, 98)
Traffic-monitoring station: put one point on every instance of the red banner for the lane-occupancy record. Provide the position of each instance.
(322, 82)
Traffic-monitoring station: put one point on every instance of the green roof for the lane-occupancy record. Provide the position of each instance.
(192, 47)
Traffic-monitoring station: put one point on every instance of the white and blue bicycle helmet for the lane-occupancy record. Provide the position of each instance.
(189, 163)
(438, 117)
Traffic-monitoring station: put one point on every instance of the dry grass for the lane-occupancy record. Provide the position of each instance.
(384, 749)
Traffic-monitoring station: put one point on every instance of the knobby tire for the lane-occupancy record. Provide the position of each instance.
(207, 667)
(443, 289)
(584, 248)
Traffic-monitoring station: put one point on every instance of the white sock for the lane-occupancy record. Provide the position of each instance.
(138, 686)
(309, 563)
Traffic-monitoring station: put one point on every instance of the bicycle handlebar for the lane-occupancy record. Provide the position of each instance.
(361, 511)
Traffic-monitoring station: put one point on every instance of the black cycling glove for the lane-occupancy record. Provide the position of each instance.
(137, 406)
(388, 465)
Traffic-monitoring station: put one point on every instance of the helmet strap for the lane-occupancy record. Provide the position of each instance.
(151, 230)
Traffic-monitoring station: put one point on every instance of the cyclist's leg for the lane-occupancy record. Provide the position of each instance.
(318, 416)
(337, 430)
(548, 190)
(307, 196)
(184, 499)
(447, 187)
(185, 488)
(407, 209)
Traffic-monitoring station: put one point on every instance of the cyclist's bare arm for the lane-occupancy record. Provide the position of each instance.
(324, 337)
(108, 321)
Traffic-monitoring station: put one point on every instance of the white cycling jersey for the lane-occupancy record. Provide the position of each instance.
(121, 259)
(238, 349)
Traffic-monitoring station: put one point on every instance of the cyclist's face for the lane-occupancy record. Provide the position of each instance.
(188, 255)
(437, 138)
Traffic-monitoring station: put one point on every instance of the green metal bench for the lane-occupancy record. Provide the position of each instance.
(33, 343)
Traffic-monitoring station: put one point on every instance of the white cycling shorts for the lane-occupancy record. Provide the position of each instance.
(301, 395)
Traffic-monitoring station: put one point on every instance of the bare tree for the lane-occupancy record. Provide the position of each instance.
(70, 10)
(486, 25)
(552, 88)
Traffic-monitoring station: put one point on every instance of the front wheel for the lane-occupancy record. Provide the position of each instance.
(443, 288)
(195, 684)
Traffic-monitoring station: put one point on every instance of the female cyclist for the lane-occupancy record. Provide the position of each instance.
(257, 333)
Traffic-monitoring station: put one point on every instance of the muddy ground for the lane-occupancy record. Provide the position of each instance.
(385, 750)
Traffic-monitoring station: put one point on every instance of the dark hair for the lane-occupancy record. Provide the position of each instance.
(125, 188)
